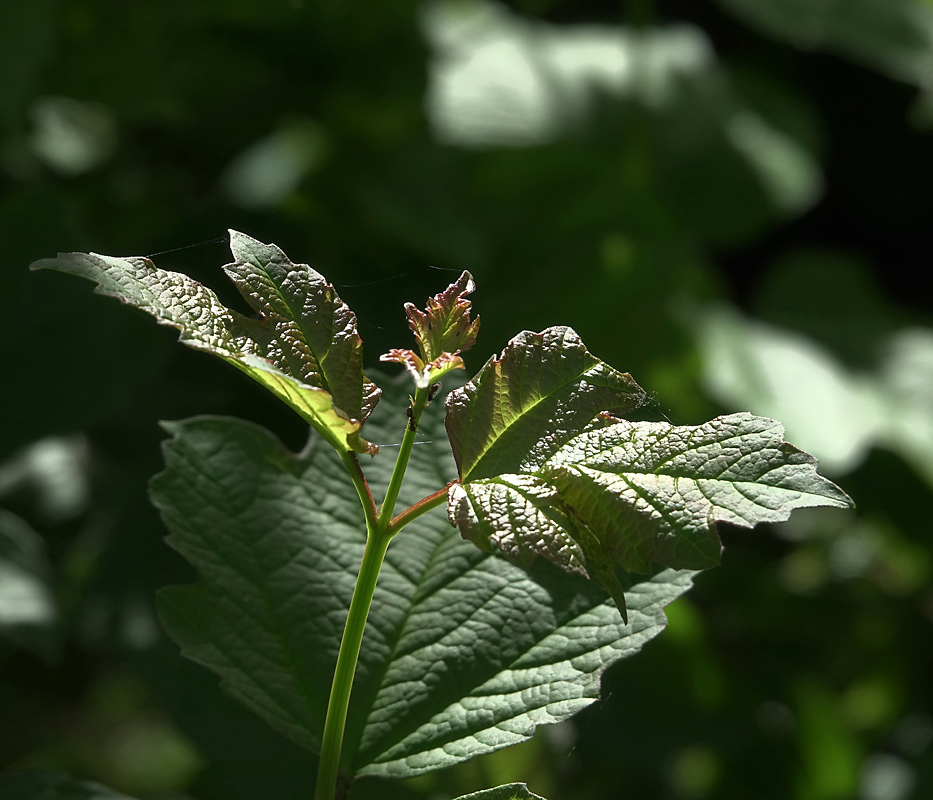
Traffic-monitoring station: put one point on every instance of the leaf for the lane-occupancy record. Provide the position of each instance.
(521, 407)
(464, 653)
(305, 347)
(640, 492)
(508, 791)
(28, 613)
(894, 36)
(52, 786)
(843, 413)
(445, 326)
(442, 331)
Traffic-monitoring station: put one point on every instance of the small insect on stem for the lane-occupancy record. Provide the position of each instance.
(410, 413)
(432, 392)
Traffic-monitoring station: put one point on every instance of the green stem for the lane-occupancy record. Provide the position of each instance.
(362, 488)
(380, 528)
(404, 452)
(376, 544)
(421, 507)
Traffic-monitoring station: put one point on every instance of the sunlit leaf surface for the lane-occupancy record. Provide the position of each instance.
(522, 406)
(837, 413)
(588, 491)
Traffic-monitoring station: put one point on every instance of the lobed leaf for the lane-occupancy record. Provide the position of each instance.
(304, 348)
(463, 653)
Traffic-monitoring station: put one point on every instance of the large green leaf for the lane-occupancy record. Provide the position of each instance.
(464, 653)
(304, 348)
(588, 491)
(508, 791)
(52, 786)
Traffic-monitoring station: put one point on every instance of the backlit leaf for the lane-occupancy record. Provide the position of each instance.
(445, 326)
(521, 407)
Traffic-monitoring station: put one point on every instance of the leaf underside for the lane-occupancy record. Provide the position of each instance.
(304, 347)
(551, 477)
(464, 653)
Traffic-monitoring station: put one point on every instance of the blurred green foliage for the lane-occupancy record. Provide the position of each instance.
(728, 199)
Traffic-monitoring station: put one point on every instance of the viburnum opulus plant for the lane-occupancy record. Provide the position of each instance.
(456, 650)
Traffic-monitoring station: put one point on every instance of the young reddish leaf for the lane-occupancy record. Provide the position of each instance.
(424, 374)
(305, 347)
(443, 331)
(445, 326)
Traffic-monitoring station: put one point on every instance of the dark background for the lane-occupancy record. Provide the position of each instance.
(774, 159)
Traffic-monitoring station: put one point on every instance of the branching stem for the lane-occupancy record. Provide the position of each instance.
(380, 528)
(419, 508)
(404, 452)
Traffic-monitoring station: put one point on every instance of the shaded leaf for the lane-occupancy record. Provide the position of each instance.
(521, 407)
(305, 347)
(28, 613)
(52, 786)
(464, 653)
(508, 791)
